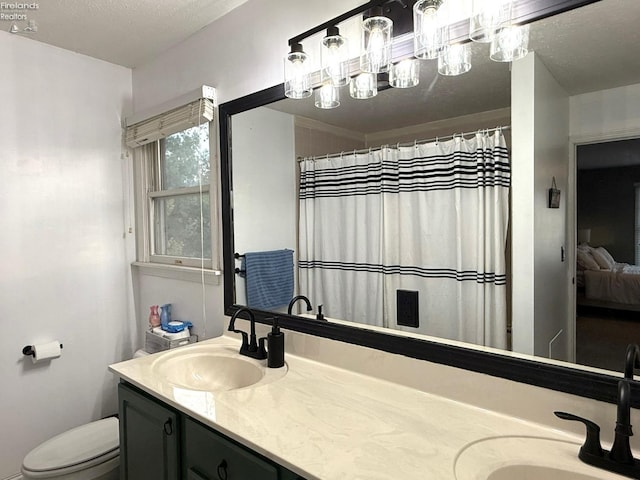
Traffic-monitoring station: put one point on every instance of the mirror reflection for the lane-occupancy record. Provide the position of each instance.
(425, 210)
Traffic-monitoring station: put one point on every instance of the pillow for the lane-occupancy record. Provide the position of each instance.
(586, 261)
(607, 255)
(602, 259)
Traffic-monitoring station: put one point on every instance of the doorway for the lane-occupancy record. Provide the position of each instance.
(607, 235)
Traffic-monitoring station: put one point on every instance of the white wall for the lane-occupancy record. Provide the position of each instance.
(540, 130)
(65, 245)
(264, 186)
(612, 113)
(238, 55)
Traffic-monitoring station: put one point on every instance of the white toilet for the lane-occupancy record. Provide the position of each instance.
(87, 452)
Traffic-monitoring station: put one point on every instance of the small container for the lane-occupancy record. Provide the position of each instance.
(165, 315)
(275, 346)
(154, 318)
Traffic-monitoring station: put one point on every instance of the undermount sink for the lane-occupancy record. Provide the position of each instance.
(213, 368)
(525, 458)
(525, 472)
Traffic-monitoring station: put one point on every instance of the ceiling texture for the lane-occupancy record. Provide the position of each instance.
(127, 33)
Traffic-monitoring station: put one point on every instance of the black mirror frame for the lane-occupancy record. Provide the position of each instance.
(561, 378)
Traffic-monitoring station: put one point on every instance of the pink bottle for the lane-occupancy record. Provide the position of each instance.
(154, 318)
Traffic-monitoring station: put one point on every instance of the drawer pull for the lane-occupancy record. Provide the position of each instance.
(222, 470)
(168, 428)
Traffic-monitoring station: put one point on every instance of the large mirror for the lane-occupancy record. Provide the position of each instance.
(578, 86)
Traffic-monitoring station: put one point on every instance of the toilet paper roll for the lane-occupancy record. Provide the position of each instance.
(46, 351)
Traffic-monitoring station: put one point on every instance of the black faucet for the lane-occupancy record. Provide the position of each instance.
(295, 299)
(631, 360)
(251, 347)
(621, 450)
(619, 459)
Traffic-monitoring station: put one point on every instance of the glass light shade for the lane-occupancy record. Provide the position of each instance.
(488, 17)
(455, 60)
(297, 73)
(363, 86)
(430, 29)
(335, 58)
(377, 33)
(327, 96)
(405, 74)
(512, 43)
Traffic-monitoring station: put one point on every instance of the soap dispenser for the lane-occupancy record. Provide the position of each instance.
(275, 346)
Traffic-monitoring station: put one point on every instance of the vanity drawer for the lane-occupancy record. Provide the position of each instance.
(209, 456)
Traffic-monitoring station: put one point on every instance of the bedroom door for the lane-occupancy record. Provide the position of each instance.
(606, 208)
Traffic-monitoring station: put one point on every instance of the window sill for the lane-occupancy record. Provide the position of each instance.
(174, 272)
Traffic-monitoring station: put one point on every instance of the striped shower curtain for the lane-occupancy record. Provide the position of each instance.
(430, 218)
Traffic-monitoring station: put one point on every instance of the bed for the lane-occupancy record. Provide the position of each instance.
(604, 279)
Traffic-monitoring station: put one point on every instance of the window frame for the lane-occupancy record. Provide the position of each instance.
(148, 189)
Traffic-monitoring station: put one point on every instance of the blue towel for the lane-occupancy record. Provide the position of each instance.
(269, 278)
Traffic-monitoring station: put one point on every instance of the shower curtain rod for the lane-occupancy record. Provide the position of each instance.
(406, 144)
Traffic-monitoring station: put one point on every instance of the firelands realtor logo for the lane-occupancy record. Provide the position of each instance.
(19, 14)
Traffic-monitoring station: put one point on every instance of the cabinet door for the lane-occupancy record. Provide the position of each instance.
(210, 456)
(149, 438)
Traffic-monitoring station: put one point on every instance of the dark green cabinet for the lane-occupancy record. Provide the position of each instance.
(208, 456)
(160, 443)
(149, 438)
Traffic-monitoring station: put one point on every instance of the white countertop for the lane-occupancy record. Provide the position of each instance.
(327, 423)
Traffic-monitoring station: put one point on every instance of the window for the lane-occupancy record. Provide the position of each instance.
(178, 199)
(174, 164)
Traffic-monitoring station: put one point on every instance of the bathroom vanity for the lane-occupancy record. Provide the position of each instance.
(158, 441)
(313, 420)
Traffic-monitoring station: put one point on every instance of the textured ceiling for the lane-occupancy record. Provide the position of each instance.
(127, 33)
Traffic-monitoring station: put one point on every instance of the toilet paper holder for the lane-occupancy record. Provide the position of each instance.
(29, 351)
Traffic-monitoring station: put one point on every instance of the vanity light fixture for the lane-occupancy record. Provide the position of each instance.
(455, 60)
(491, 21)
(430, 29)
(335, 58)
(377, 34)
(297, 73)
(405, 73)
(488, 18)
(363, 86)
(510, 44)
(327, 96)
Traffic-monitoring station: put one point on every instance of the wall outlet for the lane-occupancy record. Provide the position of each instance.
(407, 313)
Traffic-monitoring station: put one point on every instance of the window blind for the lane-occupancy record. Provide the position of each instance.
(173, 121)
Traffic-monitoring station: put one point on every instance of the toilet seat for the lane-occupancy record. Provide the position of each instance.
(79, 449)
